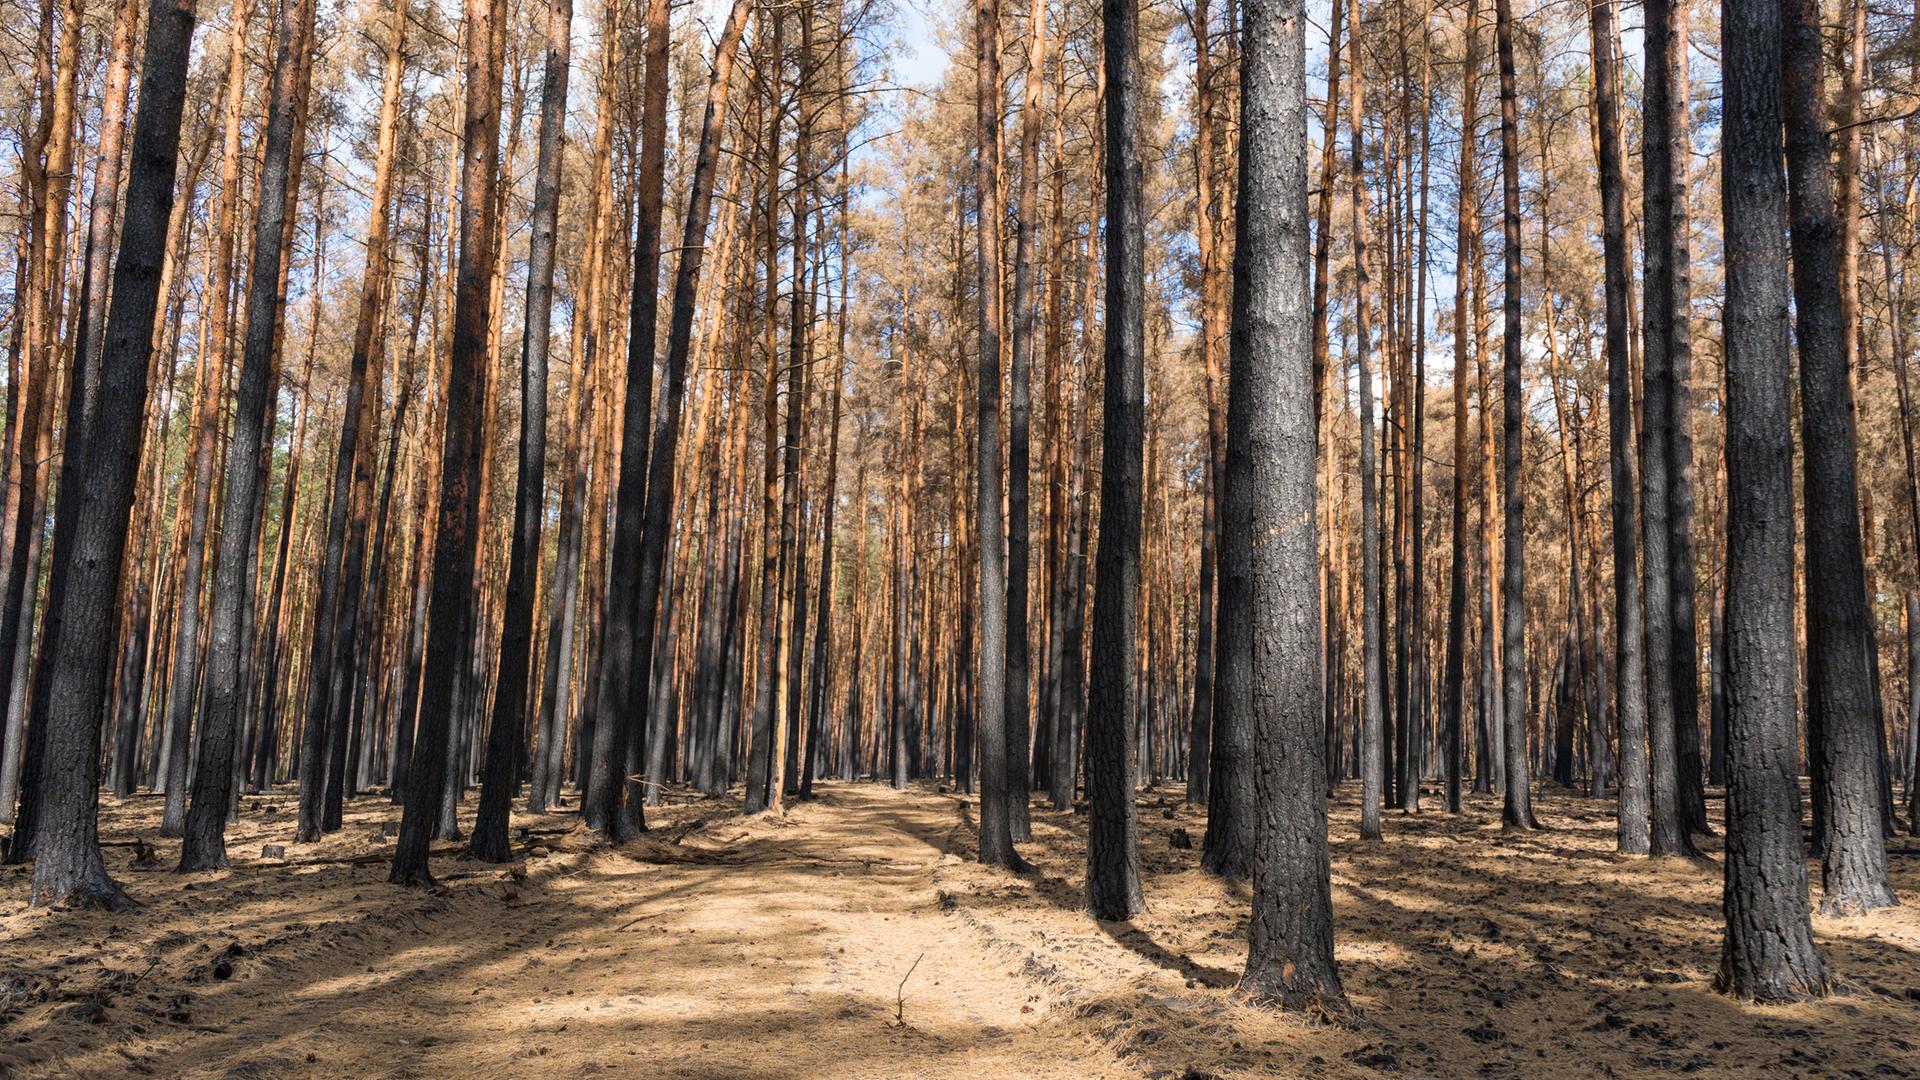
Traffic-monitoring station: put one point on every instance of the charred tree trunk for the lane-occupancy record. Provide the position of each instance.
(456, 526)
(1270, 548)
(1663, 187)
(1373, 662)
(1844, 733)
(205, 845)
(1518, 810)
(1630, 701)
(1113, 871)
(1769, 953)
(505, 727)
(85, 580)
(996, 787)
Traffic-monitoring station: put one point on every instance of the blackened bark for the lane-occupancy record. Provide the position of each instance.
(84, 583)
(619, 709)
(657, 528)
(505, 729)
(1200, 715)
(1373, 661)
(1270, 546)
(1019, 411)
(1843, 718)
(1454, 694)
(205, 844)
(1664, 39)
(1769, 954)
(996, 789)
(1518, 810)
(1629, 700)
(1113, 871)
(455, 530)
(763, 763)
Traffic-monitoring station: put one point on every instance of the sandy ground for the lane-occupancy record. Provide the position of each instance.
(855, 938)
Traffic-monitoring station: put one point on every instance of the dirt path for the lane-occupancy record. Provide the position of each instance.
(770, 948)
(722, 946)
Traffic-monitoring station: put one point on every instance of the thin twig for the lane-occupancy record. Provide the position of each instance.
(900, 992)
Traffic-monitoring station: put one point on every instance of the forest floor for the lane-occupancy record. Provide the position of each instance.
(854, 937)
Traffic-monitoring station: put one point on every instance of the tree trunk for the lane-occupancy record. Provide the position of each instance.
(489, 842)
(1373, 663)
(205, 845)
(997, 790)
(1468, 236)
(1630, 702)
(1019, 409)
(1113, 872)
(456, 525)
(67, 866)
(1666, 41)
(1269, 560)
(657, 529)
(1769, 953)
(1518, 810)
(1843, 721)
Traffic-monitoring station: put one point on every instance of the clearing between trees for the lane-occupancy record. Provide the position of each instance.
(856, 936)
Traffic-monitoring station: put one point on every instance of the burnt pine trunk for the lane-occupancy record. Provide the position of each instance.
(83, 385)
(1019, 414)
(504, 733)
(996, 790)
(1373, 662)
(620, 711)
(657, 530)
(1517, 812)
(213, 779)
(1454, 693)
(1630, 702)
(1661, 415)
(195, 499)
(85, 581)
(763, 763)
(1113, 869)
(455, 530)
(1769, 954)
(323, 738)
(1221, 726)
(1269, 546)
(1200, 715)
(1681, 552)
(1843, 719)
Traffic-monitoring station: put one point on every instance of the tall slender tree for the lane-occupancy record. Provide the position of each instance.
(508, 716)
(1454, 694)
(1843, 716)
(456, 525)
(1270, 549)
(1630, 703)
(619, 710)
(65, 836)
(1518, 810)
(1373, 660)
(1663, 323)
(1769, 953)
(1113, 855)
(205, 845)
(997, 789)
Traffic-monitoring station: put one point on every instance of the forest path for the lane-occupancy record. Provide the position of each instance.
(776, 947)
(718, 946)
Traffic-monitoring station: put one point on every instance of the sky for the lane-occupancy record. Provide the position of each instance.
(921, 61)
